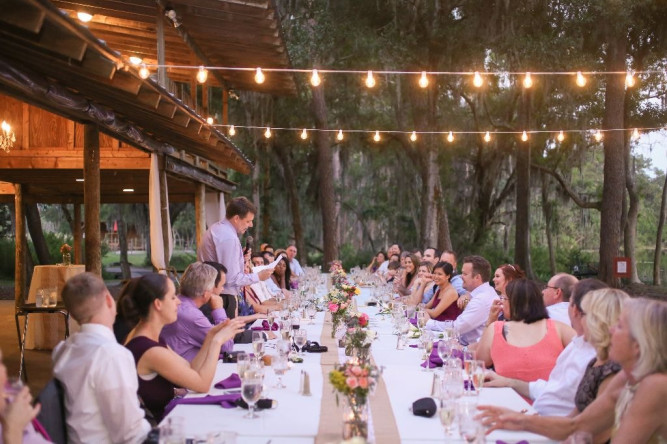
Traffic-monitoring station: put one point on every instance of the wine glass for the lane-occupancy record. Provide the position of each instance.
(452, 382)
(478, 376)
(284, 347)
(258, 343)
(469, 427)
(447, 414)
(311, 310)
(271, 317)
(251, 390)
(427, 343)
(300, 338)
(444, 350)
(242, 363)
(422, 319)
(280, 366)
(296, 323)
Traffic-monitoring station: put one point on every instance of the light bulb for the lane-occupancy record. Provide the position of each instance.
(267, 133)
(5, 127)
(598, 136)
(136, 61)
(376, 137)
(581, 80)
(413, 136)
(304, 134)
(202, 75)
(232, 131)
(423, 80)
(209, 120)
(315, 78)
(635, 134)
(340, 135)
(630, 79)
(527, 81)
(487, 137)
(477, 80)
(144, 72)
(259, 76)
(524, 136)
(84, 16)
(560, 137)
(450, 137)
(370, 80)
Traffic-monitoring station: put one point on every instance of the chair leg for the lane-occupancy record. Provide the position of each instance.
(22, 370)
(66, 324)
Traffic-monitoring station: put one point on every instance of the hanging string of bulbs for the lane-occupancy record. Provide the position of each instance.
(486, 136)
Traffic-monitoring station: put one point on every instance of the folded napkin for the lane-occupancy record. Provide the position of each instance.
(265, 326)
(500, 441)
(434, 359)
(225, 401)
(232, 381)
(414, 345)
(413, 321)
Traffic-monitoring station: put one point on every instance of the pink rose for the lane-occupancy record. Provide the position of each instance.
(333, 308)
(363, 320)
(363, 383)
(352, 382)
(356, 370)
(343, 306)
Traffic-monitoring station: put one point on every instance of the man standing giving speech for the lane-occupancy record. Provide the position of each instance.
(221, 244)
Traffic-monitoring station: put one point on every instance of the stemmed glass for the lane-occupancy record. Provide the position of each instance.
(300, 338)
(280, 366)
(478, 376)
(251, 390)
(296, 323)
(422, 319)
(469, 427)
(284, 347)
(444, 350)
(258, 343)
(427, 343)
(242, 364)
(447, 414)
(271, 317)
(311, 310)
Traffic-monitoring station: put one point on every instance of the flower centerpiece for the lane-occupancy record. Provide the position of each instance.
(338, 275)
(338, 302)
(358, 339)
(355, 381)
(66, 251)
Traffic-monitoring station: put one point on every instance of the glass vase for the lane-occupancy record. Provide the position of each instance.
(355, 418)
(67, 259)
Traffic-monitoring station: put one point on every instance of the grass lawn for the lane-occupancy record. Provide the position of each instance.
(136, 259)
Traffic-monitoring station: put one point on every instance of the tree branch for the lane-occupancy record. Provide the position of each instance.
(566, 187)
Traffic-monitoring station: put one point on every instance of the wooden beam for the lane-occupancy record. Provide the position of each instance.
(182, 169)
(200, 213)
(97, 65)
(91, 198)
(164, 210)
(61, 42)
(166, 109)
(149, 98)
(23, 15)
(71, 162)
(20, 240)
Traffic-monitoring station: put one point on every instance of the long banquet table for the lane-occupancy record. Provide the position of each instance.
(317, 419)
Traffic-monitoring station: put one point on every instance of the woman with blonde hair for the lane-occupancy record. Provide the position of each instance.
(633, 404)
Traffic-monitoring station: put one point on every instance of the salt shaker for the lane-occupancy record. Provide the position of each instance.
(306, 383)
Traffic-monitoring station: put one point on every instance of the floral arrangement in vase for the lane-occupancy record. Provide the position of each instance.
(355, 381)
(337, 302)
(66, 251)
(358, 342)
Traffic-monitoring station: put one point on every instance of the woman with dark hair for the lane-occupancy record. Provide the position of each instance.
(528, 336)
(443, 306)
(377, 261)
(153, 304)
(282, 274)
(409, 274)
(503, 276)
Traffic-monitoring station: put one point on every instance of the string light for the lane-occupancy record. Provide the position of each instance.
(202, 75)
(315, 78)
(477, 80)
(304, 134)
(7, 137)
(413, 136)
(487, 137)
(560, 136)
(259, 76)
(581, 80)
(370, 80)
(524, 136)
(267, 133)
(232, 131)
(630, 79)
(598, 136)
(144, 73)
(209, 120)
(84, 16)
(635, 134)
(527, 81)
(340, 135)
(136, 61)
(423, 80)
(376, 137)
(450, 137)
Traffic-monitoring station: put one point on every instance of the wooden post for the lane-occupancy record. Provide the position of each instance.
(225, 106)
(78, 235)
(164, 210)
(200, 213)
(20, 240)
(162, 69)
(91, 197)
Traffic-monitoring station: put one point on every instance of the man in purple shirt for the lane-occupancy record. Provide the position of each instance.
(187, 334)
(221, 244)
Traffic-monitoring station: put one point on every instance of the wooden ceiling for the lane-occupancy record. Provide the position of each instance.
(224, 33)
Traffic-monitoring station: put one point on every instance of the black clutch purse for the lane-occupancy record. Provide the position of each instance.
(315, 347)
(424, 407)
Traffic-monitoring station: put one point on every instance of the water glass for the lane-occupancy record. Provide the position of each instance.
(39, 298)
(251, 390)
(280, 367)
(300, 339)
(242, 363)
(447, 414)
(469, 427)
(258, 343)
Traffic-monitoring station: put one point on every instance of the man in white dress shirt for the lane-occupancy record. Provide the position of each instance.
(394, 249)
(294, 265)
(556, 296)
(98, 374)
(555, 397)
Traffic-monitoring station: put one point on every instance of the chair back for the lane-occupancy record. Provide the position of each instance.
(52, 416)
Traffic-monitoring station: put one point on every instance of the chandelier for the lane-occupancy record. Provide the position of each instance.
(7, 137)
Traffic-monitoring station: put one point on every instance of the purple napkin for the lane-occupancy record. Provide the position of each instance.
(225, 401)
(232, 381)
(265, 326)
(500, 441)
(434, 359)
(414, 345)
(413, 321)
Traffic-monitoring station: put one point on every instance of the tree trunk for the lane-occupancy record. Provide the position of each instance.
(444, 238)
(630, 234)
(657, 254)
(36, 233)
(327, 197)
(614, 161)
(122, 242)
(293, 196)
(547, 209)
(522, 224)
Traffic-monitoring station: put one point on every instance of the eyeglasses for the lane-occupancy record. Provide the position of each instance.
(553, 288)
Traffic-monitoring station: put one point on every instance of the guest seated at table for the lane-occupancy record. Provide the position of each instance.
(392, 271)
(527, 345)
(377, 262)
(633, 404)
(411, 264)
(423, 284)
(201, 285)
(443, 305)
(282, 274)
(98, 374)
(503, 276)
(154, 304)
(17, 418)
